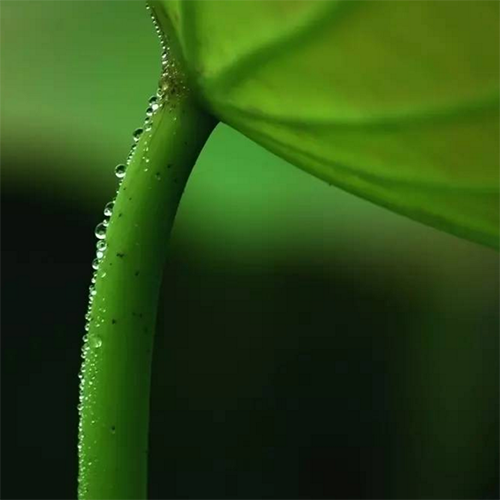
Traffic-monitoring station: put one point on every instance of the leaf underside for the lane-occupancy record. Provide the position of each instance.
(396, 102)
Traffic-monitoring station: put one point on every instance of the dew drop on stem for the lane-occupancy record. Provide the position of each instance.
(100, 231)
(137, 134)
(101, 245)
(108, 209)
(97, 342)
(120, 171)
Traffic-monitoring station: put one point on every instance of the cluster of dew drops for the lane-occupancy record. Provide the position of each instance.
(169, 85)
(101, 228)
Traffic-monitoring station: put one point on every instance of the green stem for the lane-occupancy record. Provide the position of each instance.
(115, 385)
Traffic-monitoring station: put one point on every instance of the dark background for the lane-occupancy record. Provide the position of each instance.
(309, 344)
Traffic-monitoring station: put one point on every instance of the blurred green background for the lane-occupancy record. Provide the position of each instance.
(310, 344)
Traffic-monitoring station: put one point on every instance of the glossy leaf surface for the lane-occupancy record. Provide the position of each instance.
(396, 102)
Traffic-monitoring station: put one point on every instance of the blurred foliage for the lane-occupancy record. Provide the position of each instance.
(311, 344)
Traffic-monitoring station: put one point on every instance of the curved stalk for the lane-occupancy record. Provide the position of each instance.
(115, 377)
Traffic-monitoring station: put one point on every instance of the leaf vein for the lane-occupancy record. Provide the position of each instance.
(285, 42)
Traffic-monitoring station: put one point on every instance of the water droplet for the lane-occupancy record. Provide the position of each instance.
(99, 254)
(95, 264)
(101, 245)
(120, 171)
(97, 342)
(108, 209)
(149, 111)
(87, 328)
(100, 232)
(153, 99)
(131, 153)
(155, 106)
(137, 134)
